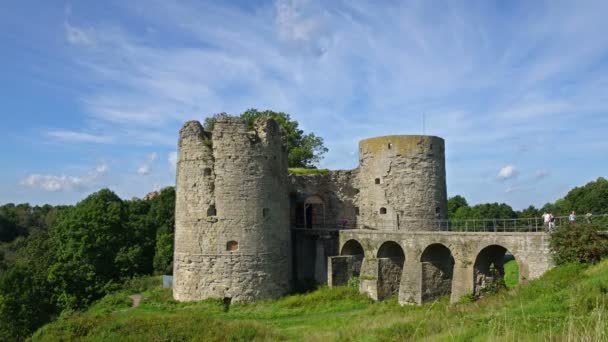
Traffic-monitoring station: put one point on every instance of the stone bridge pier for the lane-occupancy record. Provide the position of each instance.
(422, 266)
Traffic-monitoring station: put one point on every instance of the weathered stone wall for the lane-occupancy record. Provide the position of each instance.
(436, 280)
(341, 269)
(531, 251)
(337, 189)
(389, 276)
(311, 248)
(232, 223)
(401, 179)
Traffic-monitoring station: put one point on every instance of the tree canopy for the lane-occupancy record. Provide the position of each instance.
(304, 150)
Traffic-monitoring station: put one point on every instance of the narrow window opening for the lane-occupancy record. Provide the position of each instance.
(232, 246)
(383, 210)
(211, 211)
(265, 212)
(207, 172)
(431, 146)
(437, 210)
(377, 180)
(357, 211)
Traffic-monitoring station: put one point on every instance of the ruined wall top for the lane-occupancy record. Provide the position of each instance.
(401, 144)
(264, 130)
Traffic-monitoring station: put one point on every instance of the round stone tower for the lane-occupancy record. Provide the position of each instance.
(232, 237)
(402, 182)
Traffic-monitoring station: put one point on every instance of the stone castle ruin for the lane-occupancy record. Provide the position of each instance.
(245, 229)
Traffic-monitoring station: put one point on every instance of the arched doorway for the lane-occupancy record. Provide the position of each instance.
(489, 270)
(314, 212)
(352, 254)
(390, 267)
(437, 270)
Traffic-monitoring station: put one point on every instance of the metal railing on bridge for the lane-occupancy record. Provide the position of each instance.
(533, 224)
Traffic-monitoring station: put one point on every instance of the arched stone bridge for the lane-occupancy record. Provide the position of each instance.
(422, 266)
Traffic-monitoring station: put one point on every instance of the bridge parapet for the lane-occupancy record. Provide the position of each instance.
(521, 225)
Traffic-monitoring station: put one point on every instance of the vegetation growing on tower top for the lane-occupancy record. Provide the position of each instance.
(305, 150)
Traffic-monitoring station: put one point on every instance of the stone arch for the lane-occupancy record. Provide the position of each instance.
(353, 254)
(488, 270)
(314, 211)
(391, 258)
(352, 247)
(437, 264)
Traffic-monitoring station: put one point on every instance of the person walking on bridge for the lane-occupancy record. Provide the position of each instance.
(572, 217)
(548, 219)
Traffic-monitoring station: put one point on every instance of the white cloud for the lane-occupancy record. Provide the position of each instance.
(77, 36)
(102, 168)
(507, 172)
(52, 183)
(71, 136)
(172, 159)
(144, 168)
(540, 174)
(56, 183)
(370, 70)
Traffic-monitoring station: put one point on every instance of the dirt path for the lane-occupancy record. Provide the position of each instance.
(136, 300)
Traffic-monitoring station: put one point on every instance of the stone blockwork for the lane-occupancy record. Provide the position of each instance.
(336, 189)
(445, 263)
(402, 182)
(232, 237)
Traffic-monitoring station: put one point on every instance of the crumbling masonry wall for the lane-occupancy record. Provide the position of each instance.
(232, 237)
(401, 179)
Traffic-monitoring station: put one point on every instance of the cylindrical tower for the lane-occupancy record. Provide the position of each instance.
(232, 237)
(402, 182)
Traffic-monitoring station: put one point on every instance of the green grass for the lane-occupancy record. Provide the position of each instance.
(304, 171)
(567, 303)
(511, 274)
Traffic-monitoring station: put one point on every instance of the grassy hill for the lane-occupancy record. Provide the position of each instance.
(568, 303)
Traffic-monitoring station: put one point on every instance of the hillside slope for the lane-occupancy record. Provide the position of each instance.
(569, 302)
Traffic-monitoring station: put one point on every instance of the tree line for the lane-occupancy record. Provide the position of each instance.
(590, 198)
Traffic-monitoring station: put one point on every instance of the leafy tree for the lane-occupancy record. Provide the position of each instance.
(486, 211)
(304, 150)
(592, 197)
(530, 212)
(162, 214)
(24, 303)
(455, 203)
(90, 241)
(136, 255)
(26, 297)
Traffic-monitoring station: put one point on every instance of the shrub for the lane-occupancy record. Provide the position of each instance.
(581, 243)
(354, 283)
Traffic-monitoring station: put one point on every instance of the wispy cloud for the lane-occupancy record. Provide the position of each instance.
(540, 174)
(144, 168)
(77, 36)
(172, 159)
(497, 92)
(56, 183)
(72, 136)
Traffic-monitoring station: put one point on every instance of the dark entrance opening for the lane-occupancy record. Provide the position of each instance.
(437, 271)
(390, 268)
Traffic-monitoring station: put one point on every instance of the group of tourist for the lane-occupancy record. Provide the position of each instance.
(549, 219)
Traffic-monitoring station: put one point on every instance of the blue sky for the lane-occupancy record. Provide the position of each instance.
(93, 95)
